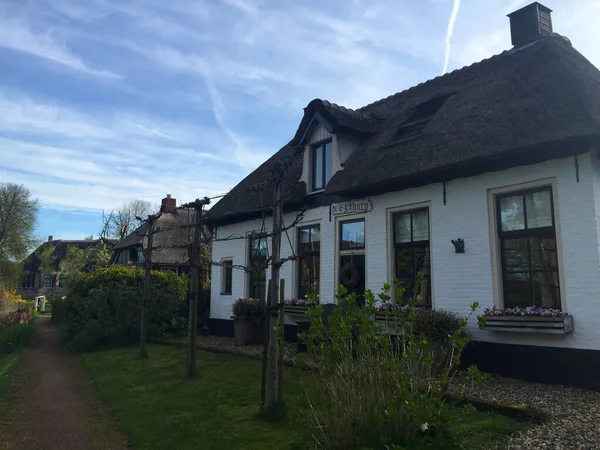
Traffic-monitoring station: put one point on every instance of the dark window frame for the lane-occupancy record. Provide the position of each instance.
(227, 276)
(251, 273)
(341, 230)
(310, 257)
(44, 278)
(320, 145)
(413, 245)
(526, 233)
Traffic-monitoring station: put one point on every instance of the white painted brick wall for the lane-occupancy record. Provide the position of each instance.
(460, 279)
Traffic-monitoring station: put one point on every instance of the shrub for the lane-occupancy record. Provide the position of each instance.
(16, 336)
(249, 307)
(436, 323)
(9, 300)
(58, 311)
(376, 388)
(103, 309)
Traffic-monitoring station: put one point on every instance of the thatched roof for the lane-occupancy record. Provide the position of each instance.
(536, 102)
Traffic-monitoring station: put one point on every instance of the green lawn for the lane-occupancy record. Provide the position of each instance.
(8, 364)
(158, 409)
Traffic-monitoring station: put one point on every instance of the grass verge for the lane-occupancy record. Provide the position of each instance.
(8, 364)
(157, 408)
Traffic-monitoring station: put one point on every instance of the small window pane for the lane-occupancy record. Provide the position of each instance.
(543, 253)
(516, 256)
(328, 162)
(539, 209)
(518, 290)
(420, 226)
(353, 235)
(318, 168)
(402, 224)
(259, 248)
(545, 289)
(511, 213)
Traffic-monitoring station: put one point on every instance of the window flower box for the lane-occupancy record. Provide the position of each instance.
(296, 310)
(298, 306)
(532, 319)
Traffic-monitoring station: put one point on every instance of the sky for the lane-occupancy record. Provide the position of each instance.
(107, 101)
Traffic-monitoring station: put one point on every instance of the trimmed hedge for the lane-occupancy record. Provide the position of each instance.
(103, 309)
(59, 311)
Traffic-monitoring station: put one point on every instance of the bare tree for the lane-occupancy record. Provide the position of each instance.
(125, 219)
(198, 271)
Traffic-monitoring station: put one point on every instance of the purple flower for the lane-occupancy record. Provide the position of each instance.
(535, 310)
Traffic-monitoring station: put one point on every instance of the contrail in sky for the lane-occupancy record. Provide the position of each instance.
(449, 33)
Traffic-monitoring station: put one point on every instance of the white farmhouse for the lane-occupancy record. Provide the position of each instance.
(502, 154)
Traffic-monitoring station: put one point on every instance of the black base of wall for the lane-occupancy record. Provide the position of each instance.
(554, 365)
(224, 327)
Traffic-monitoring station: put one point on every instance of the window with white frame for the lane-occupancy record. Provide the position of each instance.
(412, 267)
(226, 276)
(352, 264)
(309, 260)
(322, 165)
(528, 250)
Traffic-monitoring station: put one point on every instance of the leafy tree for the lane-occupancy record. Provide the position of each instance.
(69, 267)
(18, 215)
(97, 256)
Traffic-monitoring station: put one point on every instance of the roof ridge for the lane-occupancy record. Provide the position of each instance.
(359, 114)
(475, 64)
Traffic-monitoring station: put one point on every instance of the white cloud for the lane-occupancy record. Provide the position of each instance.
(18, 37)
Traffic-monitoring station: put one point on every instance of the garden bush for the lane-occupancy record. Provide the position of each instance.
(379, 387)
(16, 337)
(249, 307)
(58, 311)
(103, 309)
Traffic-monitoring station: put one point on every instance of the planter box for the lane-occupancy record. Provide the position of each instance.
(530, 324)
(248, 331)
(295, 310)
(384, 317)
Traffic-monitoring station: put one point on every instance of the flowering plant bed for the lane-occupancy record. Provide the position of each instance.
(528, 311)
(387, 310)
(532, 319)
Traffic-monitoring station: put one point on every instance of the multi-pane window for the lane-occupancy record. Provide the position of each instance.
(47, 281)
(28, 281)
(352, 257)
(528, 252)
(309, 258)
(411, 255)
(322, 165)
(226, 276)
(62, 282)
(258, 267)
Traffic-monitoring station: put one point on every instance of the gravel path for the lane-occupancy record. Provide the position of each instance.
(52, 404)
(575, 422)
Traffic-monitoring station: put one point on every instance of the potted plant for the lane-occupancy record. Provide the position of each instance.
(531, 319)
(248, 319)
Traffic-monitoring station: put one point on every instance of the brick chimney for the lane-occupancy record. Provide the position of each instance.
(168, 204)
(530, 23)
(50, 238)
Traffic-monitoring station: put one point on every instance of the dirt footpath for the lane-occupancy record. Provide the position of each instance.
(52, 404)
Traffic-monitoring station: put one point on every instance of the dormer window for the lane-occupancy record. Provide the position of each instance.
(322, 165)
(419, 118)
